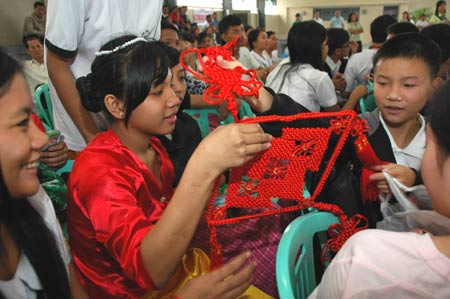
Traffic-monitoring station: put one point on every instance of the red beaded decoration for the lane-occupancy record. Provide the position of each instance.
(224, 83)
(279, 172)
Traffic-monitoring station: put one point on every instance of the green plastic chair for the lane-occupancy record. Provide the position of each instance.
(368, 104)
(66, 168)
(295, 271)
(45, 108)
(204, 115)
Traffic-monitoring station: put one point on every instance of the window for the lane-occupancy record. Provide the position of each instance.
(327, 13)
(210, 4)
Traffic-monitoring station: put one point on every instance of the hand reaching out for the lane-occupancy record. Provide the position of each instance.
(404, 174)
(227, 282)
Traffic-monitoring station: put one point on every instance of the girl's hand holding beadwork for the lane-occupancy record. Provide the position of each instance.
(231, 146)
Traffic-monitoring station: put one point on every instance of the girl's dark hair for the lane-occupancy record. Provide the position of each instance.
(253, 37)
(439, 112)
(349, 19)
(128, 74)
(173, 55)
(202, 36)
(439, 3)
(270, 33)
(26, 226)
(305, 41)
(411, 45)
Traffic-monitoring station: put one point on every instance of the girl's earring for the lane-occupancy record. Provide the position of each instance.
(122, 115)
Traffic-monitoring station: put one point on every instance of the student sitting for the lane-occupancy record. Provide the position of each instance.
(129, 229)
(377, 263)
(300, 76)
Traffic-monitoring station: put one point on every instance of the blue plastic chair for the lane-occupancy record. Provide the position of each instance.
(295, 271)
(45, 108)
(66, 168)
(367, 103)
(202, 116)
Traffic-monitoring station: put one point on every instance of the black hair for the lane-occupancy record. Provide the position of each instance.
(440, 34)
(253, 37)
(201, 36)
(228, 21)
(439, 112)
(349, 19)
(173, 55)
(402, 27)
(38, 3)
(337, 37)
(270, 33)
(439, 3)
(247, 28)
(379, 26)
(411, 45)
(187, 36)
(29, 37)
(128, 74)
(167, 25)
(297, 14)
(25, 225)
(305, 41)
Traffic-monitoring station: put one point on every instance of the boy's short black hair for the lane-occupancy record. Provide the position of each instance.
(201, 36)
(337, 38)
(379, 26)
(187, 36)
(38, 3)
(411, 45)
(31, 37)
(440, 34)
(402, 27)
(297, 14)
(228, 21)
(167, 25)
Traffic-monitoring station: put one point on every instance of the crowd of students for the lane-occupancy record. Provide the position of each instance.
(143, 174)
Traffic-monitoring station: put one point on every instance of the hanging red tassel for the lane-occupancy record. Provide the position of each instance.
(366, 154)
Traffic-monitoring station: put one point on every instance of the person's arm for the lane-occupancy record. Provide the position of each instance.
(28, 27)
(227, 282)
(56, 156)
(226, 147)
(61, 76)
(76, 288)
(357, 93)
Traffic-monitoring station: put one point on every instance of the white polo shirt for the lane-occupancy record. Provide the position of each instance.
(79, 28)
(358, 68)
(306, 85)
(411, 155)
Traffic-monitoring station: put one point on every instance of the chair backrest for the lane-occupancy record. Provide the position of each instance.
(208, 118)
(367, 104)
(295, 269)
(45, 108)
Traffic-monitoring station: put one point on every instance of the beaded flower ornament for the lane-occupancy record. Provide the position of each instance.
(223, 83)
(279, 172)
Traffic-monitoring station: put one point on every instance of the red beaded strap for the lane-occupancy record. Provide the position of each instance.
(224, 83)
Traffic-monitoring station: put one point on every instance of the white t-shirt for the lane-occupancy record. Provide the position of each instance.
(411, 155)
(247, 59)
(264, 61)
(35, 74)
(26, 283)
(334, 66)
(358, 68)
(83, 26)
(305, 85)
(381, 264)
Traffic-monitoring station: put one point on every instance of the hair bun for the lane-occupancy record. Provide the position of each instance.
(87, 96)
